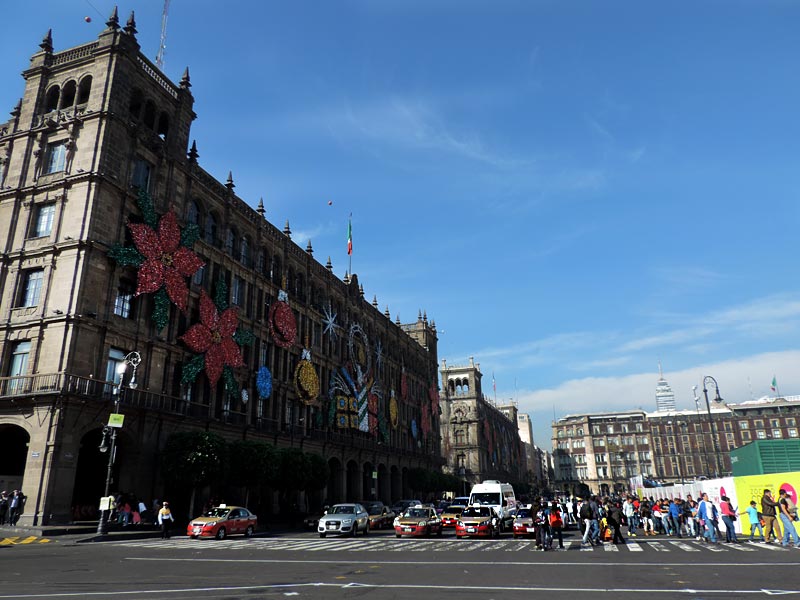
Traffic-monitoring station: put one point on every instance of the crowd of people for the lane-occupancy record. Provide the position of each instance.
(11, 507)
(602, 520)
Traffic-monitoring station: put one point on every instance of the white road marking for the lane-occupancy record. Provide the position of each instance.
(685, 547)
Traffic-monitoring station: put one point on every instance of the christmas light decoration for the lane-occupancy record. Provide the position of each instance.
(281, 322)
(264, 383)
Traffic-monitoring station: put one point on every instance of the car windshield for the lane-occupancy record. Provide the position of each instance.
(486, 498)
(342, 510)
(375, 509)
(217, 512)
(454, 508)
(523, 513)
(417, 512)
(475, 511)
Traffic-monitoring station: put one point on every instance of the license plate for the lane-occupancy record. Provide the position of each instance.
(471, 529)
(406, 528)
(530, 529)
(331, 526)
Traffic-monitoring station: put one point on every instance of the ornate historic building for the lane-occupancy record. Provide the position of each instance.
(105, 220)
(479, 441)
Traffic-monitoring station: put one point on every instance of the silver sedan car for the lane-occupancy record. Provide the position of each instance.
(344, 519)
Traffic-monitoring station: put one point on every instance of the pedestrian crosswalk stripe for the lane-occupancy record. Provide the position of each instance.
(387, 544)
(685, 547)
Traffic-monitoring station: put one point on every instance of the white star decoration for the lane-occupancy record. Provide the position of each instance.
(378, 355)
(329, 321)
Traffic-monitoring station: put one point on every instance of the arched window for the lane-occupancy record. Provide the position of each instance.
(68, 95)
(150, 114)
(163, 125)
(301, 287)
(51, 100)
(84, 89)
(277, 270)
(193, 213)
(244, 251)
(211, 229)
(230, 242)
(136, 103)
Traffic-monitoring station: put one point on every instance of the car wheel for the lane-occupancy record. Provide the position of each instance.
(249, 531)
(397, 535)
(221, 533)
(322, 535)
(354, 530)
(439, 533)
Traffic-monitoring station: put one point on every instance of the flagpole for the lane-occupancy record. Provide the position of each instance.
(350, 244)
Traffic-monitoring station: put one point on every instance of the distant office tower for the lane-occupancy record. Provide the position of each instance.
(665, 397)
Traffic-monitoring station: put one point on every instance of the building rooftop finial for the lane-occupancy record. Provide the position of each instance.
(260, 210)
(229, 184)
(185, 82)
(47, 42)
(309, 249)
(130, 26)
(287, 230)
(193, 152)
(113, 20)
(329, 264)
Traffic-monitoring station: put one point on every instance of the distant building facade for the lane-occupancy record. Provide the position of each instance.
(479, 440)
(604, 450)
(665, 397)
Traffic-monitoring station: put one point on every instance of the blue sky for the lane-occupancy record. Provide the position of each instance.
(572, 190)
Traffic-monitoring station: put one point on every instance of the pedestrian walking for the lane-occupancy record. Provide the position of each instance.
(769, 508)
(165, 520)
(3, 507)
(728, 517)
(614, 516)
(15, 506)
(705, 517)
(788, 515)
(755, 520)
(557, 524)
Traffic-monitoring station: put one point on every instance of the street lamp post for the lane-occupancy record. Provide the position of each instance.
(133, 359)
(714, 440)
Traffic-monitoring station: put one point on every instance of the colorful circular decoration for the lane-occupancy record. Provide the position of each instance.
(245, 396)
(393, 417)
(359, 354)
(414, 431)
(306, 382)
(403, 385)
(264, 383)
(281, 322)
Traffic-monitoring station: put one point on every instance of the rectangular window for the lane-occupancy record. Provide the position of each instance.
(115, 359)
(761, 434)
(744, 425)
(792, 432)
(777, 434)
(609, 429)
(32, 287)
(775, 422)
(55, 159)
(745, 436)
(19, 366)
(790, 422)
(141, 174)
(44, 220)
(197, 278)
(237, 291)
(122, 303)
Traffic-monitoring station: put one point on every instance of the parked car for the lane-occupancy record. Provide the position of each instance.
(478, 521)
(312, 519)
(380, 516)
(222, 521)
(400, 506)
(451, 514)
(345, 519)
(418, 520)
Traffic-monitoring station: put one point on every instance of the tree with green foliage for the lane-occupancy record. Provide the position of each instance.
(193, 459)
(251, 464)
(319, 471)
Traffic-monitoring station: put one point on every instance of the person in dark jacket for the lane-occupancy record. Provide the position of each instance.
(614, 520)
(769, 513)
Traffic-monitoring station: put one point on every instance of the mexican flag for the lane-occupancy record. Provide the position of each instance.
(774, 386)
(349, 237)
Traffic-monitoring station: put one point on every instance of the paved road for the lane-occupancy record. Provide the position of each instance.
(382, 567)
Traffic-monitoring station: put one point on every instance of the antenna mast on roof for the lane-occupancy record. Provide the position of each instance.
(163, 43)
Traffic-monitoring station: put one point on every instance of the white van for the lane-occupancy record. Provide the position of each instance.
(499, 496)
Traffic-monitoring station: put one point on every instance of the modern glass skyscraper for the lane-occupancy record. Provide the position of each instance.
(665, 397)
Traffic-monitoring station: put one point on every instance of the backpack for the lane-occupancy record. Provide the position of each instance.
(586, 511)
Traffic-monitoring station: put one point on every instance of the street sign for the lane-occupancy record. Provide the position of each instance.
(106, 502)
(115, 420)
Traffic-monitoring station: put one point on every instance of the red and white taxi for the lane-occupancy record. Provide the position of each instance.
(222, 521)
(478, 521)
(418, 521)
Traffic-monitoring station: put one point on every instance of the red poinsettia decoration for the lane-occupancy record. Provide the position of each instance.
(213, 335)
(166, 263)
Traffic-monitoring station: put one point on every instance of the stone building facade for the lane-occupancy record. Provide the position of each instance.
(97, 125)
(604, 451)
(479, 441)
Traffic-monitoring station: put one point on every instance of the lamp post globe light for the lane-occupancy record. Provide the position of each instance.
(132, 359)
(714, 441)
